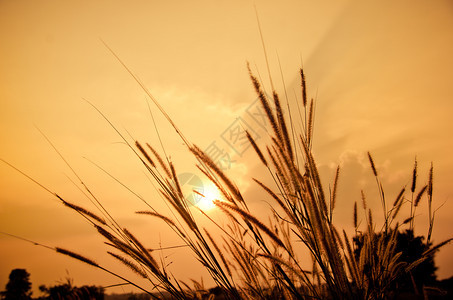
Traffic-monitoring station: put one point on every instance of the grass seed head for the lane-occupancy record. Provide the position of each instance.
(76, 256)
(373, 167)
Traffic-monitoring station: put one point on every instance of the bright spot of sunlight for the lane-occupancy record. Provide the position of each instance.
(206, 200)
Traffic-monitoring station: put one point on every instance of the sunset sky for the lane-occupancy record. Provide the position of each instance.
(381, 73)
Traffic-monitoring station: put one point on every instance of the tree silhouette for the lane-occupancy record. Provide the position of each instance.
(18, 286)
(411, 248)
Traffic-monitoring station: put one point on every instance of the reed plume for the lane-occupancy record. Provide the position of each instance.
(131, 265)
(76, 256)
(145, 154)
(247, 216)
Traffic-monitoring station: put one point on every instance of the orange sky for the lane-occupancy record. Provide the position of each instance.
(381, 73)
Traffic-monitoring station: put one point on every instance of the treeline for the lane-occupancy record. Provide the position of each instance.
(19, 288)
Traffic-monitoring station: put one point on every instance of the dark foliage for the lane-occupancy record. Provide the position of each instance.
(412, 248)
(67, 291)
(18, 286)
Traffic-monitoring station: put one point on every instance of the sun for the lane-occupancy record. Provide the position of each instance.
(206, 199)
(198, 192)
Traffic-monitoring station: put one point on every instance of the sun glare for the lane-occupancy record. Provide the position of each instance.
(206, 200)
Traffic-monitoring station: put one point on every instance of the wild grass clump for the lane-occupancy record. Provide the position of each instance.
(259, 257)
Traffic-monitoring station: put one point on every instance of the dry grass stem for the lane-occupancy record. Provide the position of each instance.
(220, 253)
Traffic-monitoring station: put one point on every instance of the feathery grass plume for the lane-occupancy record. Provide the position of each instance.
(407, 220)
(430, 186)
(231, 217)
(145, 154)
(284, 136)
(334, 190)
(76, 256)
(397, 209)
(84, 212)
(364, 256)
(255, 146)
(183, 210)
(370, 220)
(430, 182)
(141, 248)
(304, 88)
(395, 267)
(419, 195)
(436, 247)
(317, 185)
(227, 196)
(362, 194)
(171, 197)
(110, 237)
(208, 161)
(310, 122)
(381, 191)
(373, 167)
(327, 244)
(355, 215)
(352, 262)
(399, 197)
(280, 171)
(187, 217)
(414, 183)
(415, 263)
(129, 264)
(414, 176)
(222, 257)
(336, 235)
(159, 159)
(175, 202)
(177, 185)
(247, 216)
(302, 274)
(151, 213)
(430, 201)
(284, 160)
(136, 254)
(264, 103)
(276, 198)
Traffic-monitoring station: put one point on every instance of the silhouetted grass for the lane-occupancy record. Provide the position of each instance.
(255, 256)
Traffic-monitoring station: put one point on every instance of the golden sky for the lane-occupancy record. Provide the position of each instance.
(380, 71)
